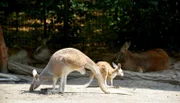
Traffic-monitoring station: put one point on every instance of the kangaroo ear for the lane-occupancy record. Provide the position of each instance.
(119, 64)
(114, 65)
(127, 45)
(35, 74)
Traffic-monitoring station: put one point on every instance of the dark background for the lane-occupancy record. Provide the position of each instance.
(92, 24)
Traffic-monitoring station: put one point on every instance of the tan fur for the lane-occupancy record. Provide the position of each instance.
(148, 61)
(107, 72)
(64, 62)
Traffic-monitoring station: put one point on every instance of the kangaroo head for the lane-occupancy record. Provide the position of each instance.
(119, 70)
(43, 53)
(36, 82)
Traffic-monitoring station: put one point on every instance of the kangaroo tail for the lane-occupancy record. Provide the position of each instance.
(91, 77)
(99, 77)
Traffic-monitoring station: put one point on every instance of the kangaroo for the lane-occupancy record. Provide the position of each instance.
(148, 61)
(107, 72)
(43, 52)
(63, 62)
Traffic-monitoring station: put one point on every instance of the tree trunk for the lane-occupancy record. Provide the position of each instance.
(3, 54)
(45, 25)
(66, 26)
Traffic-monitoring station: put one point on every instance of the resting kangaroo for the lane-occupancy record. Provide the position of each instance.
(62, 63)
(107, 72)
(148, 61)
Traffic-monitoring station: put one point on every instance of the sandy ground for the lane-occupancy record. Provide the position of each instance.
(140, 92)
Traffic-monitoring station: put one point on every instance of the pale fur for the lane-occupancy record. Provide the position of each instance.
(107, 72)
(64, 62)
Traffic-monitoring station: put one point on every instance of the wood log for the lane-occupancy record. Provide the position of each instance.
(24, 77)
(171, 76)
(22, 69)
(8, 78)
(14, 78)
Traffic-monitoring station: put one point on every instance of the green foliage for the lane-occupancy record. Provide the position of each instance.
(107, 22)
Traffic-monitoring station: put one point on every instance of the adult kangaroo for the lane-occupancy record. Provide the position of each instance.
(148, 61)
(63, 62)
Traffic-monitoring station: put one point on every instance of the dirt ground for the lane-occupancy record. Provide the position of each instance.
(139, 92)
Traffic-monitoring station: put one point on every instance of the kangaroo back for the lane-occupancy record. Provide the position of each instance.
(148, 61)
